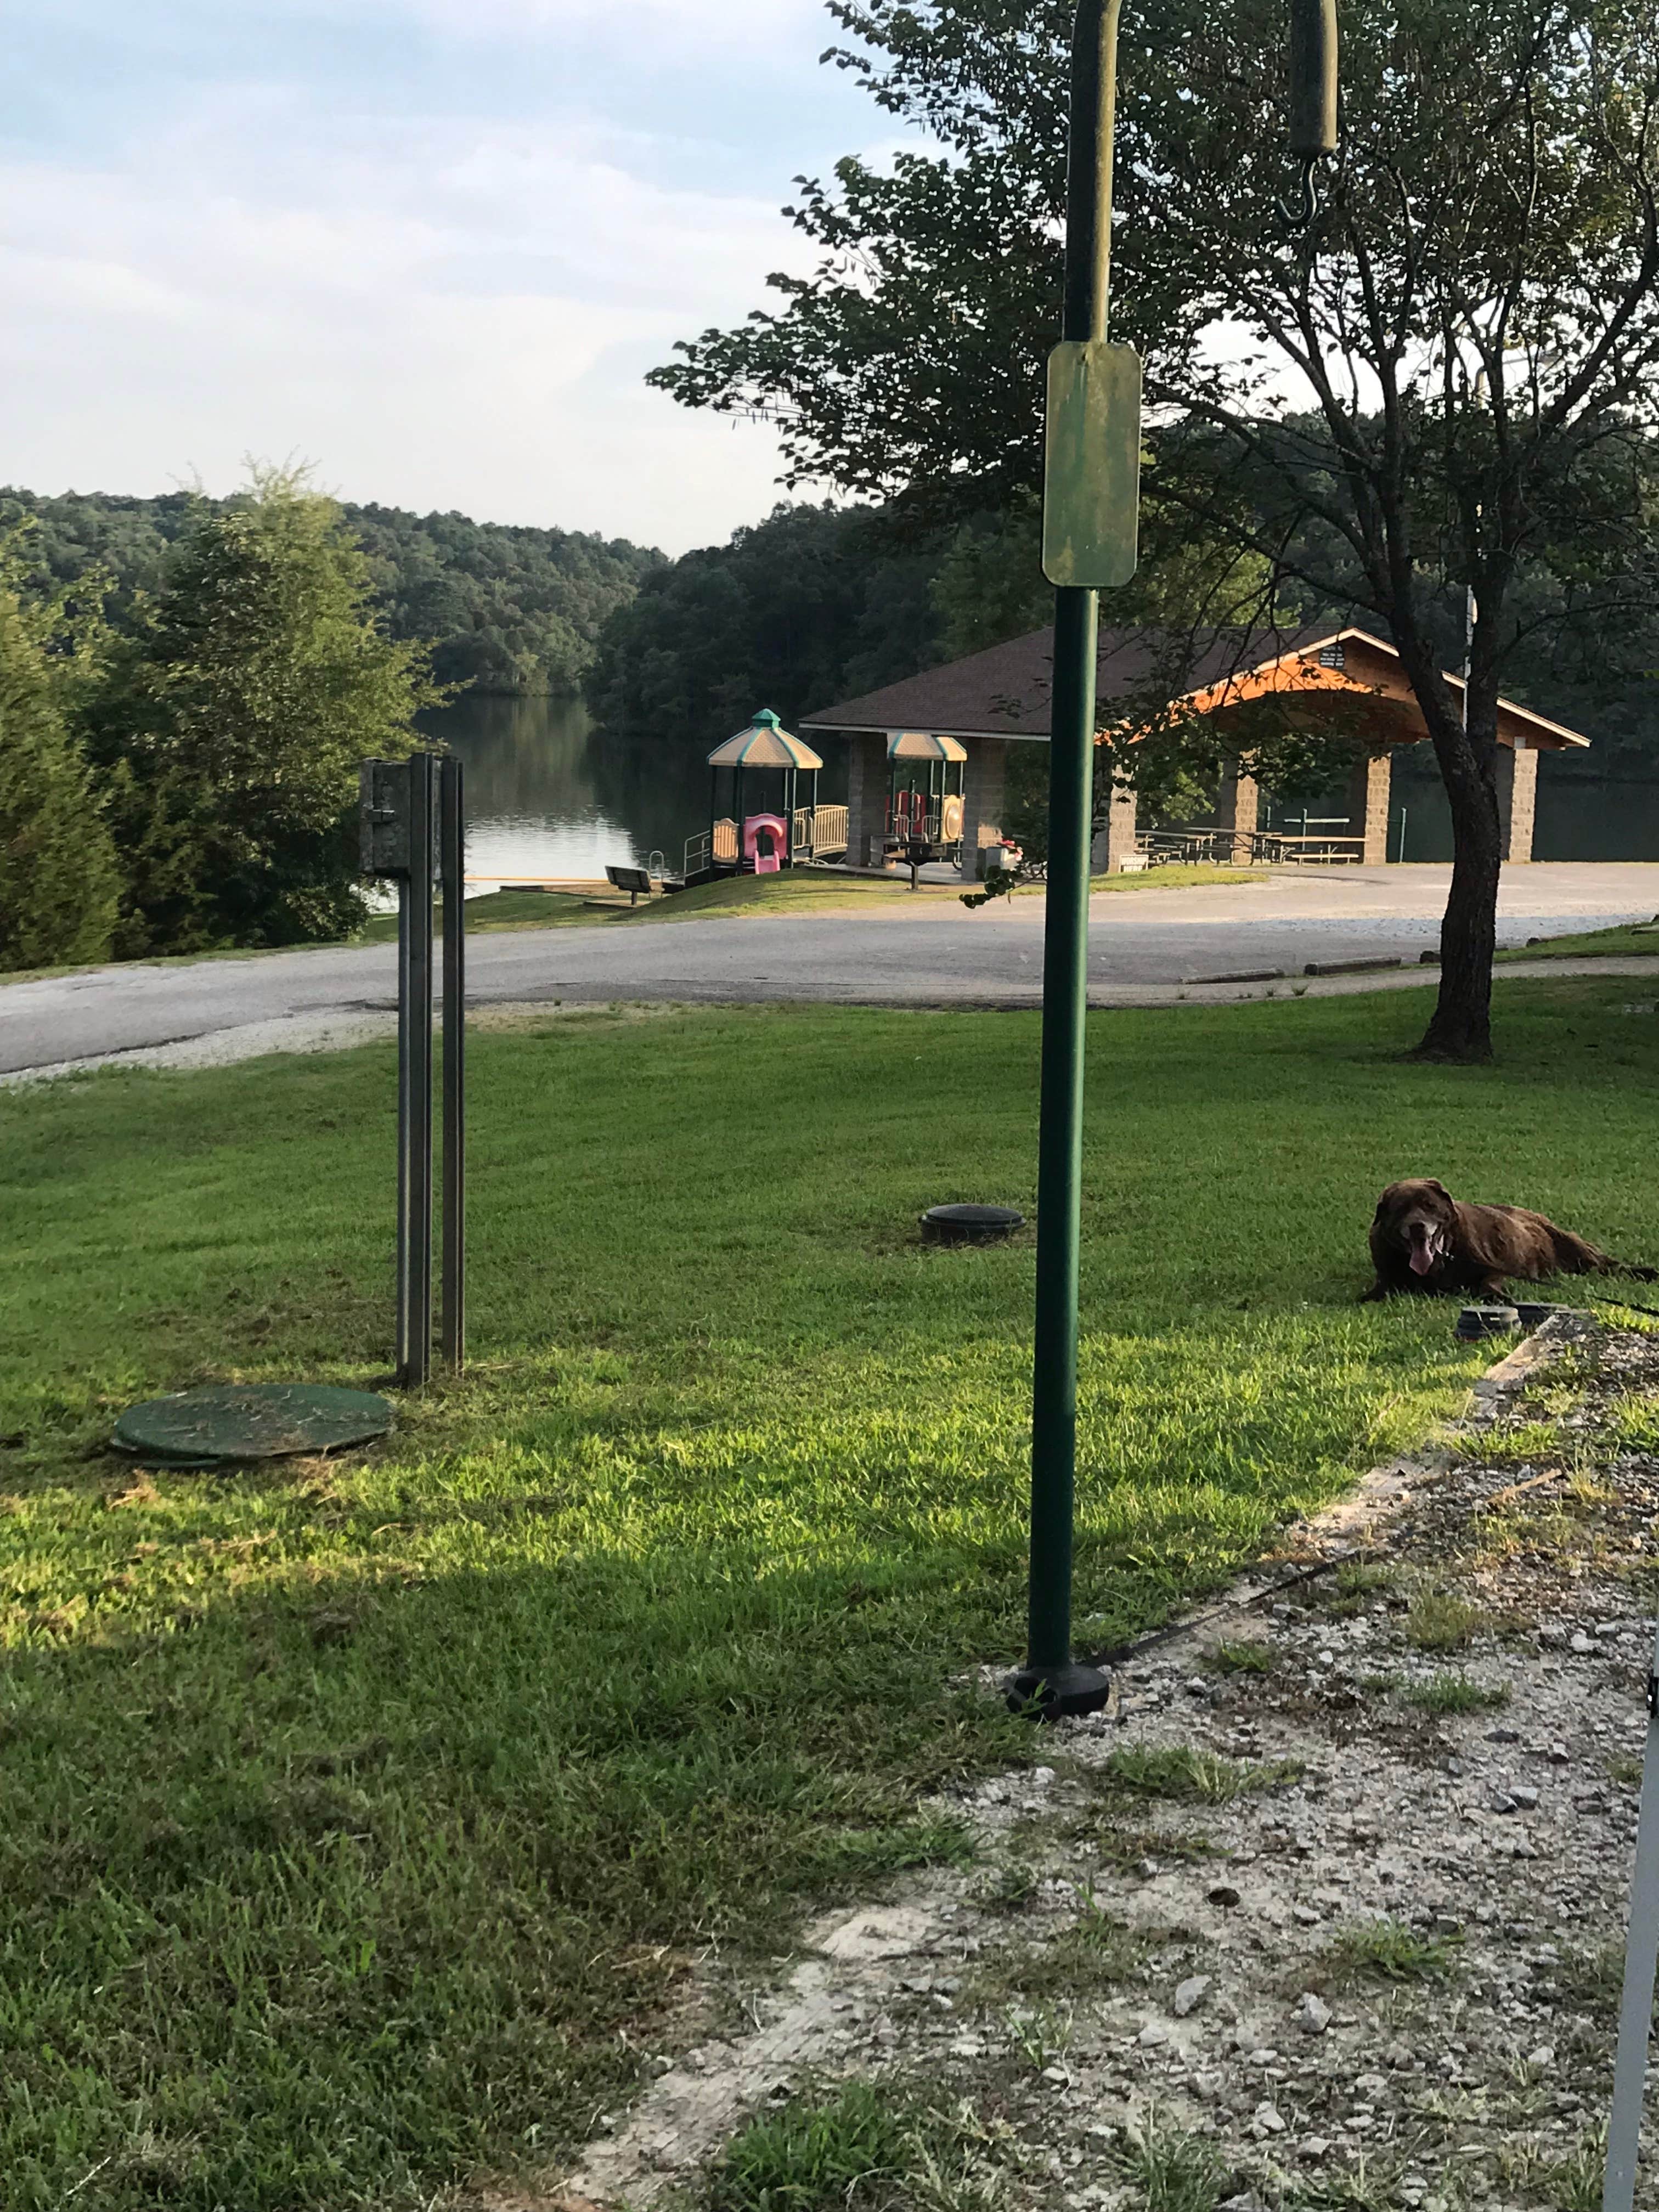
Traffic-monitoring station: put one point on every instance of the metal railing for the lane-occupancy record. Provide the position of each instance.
(818, 831)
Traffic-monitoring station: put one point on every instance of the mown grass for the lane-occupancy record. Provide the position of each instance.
(364, 1823)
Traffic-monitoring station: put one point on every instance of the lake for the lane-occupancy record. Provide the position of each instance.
(547, 795)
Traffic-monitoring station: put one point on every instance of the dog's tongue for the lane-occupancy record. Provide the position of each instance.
(1422, 1257)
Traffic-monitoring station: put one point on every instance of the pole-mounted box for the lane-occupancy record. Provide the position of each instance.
(383, 817)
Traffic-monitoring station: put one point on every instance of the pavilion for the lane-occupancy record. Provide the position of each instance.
(1000, 697)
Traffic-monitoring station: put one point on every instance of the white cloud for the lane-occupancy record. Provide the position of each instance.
(440, 312)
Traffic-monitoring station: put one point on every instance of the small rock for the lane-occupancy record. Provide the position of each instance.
(1306, 1915)
(1222, 1893)
(1583, 1645)
(1261, 2058)
(1523, 1848)
(1502, 1801)
(1552, 1637)
(1198, 1688)
(1314, 2146)
(1560, 1754)
(1057, 2074)
(1190, 1994)
(1523, 1796)
(1313, 2015)
(1151, 2037)
(1368, 2086)
(1544, 2056)
(1267, 2120)
(1503, 1736)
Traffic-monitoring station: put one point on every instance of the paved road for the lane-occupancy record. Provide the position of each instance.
(1144, 946)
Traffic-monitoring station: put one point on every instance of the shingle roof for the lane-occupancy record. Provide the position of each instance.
(1004, 692)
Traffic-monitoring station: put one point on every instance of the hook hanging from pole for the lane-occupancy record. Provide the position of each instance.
(1297, 216)
(1313, 101)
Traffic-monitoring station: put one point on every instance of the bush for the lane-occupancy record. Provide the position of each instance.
(58, 873)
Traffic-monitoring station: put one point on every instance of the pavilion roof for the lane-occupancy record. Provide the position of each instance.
(1005, 690)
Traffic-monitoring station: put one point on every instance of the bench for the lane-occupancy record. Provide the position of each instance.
(631, 880)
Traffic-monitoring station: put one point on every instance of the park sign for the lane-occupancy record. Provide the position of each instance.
(1091, 465)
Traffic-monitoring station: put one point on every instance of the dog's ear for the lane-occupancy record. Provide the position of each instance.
(1435, 1184)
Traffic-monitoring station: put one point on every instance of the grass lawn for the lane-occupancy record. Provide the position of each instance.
(365, 1824)
(1627, 937)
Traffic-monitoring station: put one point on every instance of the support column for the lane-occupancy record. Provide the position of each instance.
(1236, 809)
(1115, 842)
(1368, 805)
(1516, 773)
(984, 775)
(867, 799)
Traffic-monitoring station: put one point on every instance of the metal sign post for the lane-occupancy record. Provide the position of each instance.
(400, 813)
(1091, 509)
(1630, 2071)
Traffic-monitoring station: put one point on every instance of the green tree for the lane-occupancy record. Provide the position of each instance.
(1470, 333)
(237, 712)
(58, 882)
(813, 604)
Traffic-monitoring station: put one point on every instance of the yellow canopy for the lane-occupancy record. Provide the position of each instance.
(764, 744)
(922, 744)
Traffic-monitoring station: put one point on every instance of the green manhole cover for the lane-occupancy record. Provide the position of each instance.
(250, 1420)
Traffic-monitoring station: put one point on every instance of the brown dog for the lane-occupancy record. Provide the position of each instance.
(1424, 1240)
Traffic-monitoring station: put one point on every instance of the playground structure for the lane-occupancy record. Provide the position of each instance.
(924, 774)
(772, 838)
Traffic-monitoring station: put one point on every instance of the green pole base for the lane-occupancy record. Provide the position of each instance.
(1052, 1694)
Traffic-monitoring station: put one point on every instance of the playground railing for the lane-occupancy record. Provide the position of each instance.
(818, 829)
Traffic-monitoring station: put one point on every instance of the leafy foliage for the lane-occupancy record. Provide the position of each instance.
(812, 604)
(504, 609)
(58, 873)
(228, 736)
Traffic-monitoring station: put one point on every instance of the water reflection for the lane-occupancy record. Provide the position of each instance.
(549, 796)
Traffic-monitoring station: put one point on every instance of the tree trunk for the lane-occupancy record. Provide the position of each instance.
(1461, 1028)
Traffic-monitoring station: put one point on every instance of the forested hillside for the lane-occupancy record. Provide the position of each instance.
(508, 609)
(812, 604)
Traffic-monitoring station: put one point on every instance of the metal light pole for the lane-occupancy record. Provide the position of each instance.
(1090, 507)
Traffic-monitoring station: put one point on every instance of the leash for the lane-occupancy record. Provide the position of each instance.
(1622, 1305)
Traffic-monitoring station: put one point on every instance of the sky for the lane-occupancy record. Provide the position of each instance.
(429, 246)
